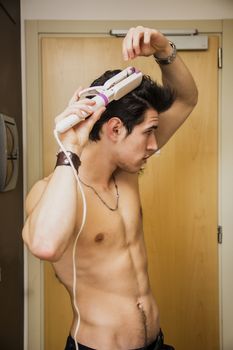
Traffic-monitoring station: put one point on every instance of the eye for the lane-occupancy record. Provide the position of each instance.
(149, 131)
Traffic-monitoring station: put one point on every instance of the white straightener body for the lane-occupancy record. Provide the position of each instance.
(113, 89)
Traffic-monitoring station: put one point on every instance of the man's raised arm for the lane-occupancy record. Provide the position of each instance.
(142, 41)
(51, 205)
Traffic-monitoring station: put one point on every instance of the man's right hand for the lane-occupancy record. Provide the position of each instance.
(76, 138)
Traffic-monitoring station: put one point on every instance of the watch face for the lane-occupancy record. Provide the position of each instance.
(168, 59)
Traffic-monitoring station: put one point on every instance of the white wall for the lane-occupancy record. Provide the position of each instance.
(126, 9)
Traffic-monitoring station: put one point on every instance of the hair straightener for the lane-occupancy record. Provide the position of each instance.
(113, 89)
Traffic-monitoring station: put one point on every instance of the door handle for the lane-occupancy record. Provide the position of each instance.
(9, 153)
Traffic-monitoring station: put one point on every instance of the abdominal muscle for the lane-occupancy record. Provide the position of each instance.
(117, 309)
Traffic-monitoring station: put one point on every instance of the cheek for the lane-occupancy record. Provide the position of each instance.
(133, 145)
(132, 149)
(139, 144)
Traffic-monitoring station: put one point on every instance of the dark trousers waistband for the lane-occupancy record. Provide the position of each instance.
(155, 345)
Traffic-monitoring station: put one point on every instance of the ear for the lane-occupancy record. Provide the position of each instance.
(114, 128)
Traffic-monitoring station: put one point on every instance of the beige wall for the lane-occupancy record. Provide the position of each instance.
(127, 10)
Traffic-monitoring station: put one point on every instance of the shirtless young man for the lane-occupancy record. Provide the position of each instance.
(117, 308)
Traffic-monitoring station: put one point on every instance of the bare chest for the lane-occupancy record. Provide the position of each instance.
(110, 228)
(110, 244)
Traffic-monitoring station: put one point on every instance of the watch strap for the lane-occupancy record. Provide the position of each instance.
(169, 59)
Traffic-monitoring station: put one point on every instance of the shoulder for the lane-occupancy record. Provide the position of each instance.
(35, 194)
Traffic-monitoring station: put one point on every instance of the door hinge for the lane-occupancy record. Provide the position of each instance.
(220, 234)
(220, 57)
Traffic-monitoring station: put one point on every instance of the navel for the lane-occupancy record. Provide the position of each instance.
(99, 238)
(141, 212)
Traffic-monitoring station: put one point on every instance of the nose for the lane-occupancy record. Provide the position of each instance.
(152, 144)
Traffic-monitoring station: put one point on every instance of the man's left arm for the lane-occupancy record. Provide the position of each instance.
(142, 41)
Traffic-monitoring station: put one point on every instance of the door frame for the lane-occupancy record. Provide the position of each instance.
(33, 166)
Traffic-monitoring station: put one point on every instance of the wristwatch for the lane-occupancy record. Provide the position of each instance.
(168, 59)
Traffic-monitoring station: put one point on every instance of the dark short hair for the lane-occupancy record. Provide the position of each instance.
(131, 108)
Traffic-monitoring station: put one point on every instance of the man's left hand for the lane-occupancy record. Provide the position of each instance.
(141, 41)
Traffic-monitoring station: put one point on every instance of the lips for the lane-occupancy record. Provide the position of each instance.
(146, 157)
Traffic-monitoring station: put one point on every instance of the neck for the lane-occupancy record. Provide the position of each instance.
(97, 157)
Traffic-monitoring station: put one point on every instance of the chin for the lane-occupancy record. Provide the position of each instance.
(133, 169)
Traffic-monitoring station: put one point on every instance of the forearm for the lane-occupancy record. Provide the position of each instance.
(52, 213)
(52, 222)
(177, 76)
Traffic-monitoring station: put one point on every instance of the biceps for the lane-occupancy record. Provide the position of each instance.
(35, 195)
(170, 121)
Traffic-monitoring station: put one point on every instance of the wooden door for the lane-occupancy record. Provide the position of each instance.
(178, 190)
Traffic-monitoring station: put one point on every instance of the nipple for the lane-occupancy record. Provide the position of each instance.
(99, 237)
